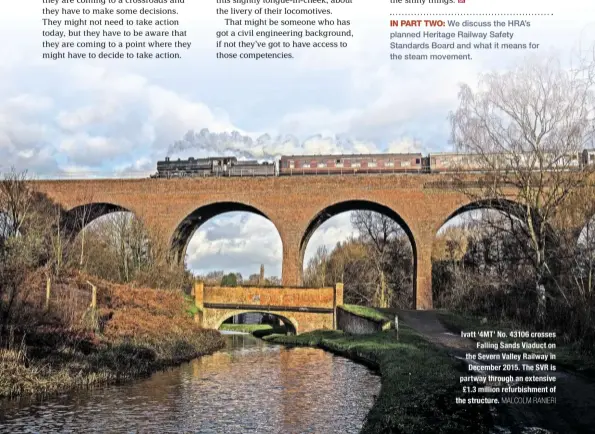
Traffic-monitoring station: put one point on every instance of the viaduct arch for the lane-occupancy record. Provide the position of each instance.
(351, 205)
(193, 221)
(297, 205)
(81, 215)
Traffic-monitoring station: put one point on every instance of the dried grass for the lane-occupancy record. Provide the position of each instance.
(140, 330)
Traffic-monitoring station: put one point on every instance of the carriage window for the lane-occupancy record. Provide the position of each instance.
(417, 161)
(338, 162)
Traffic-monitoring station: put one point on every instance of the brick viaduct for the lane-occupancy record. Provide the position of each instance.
(297, 206)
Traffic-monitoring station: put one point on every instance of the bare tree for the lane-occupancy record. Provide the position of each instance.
(58, 245)
(82, 217)
(122, 248)
(16, 199)
(272, 281)
(213, 277)
(253, 280)
(15, 204)
(378, 231)
(526, 129)
(316, 270)
(24, 247)
(118, 247)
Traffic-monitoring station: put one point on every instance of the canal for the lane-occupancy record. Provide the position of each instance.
(248, 387)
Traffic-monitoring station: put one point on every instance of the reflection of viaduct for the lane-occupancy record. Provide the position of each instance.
(297, 206)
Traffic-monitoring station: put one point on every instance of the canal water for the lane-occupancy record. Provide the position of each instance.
(248, 387)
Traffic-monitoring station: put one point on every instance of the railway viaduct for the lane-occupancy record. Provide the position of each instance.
(297, 206)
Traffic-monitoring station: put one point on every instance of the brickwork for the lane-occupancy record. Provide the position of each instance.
(288, 298)
(422, 202)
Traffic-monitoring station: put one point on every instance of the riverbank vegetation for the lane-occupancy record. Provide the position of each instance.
(530, 260)
(365, 312)
(85, 303)
(521, 249)
(136, 331)
(483, 278)
(419, 381)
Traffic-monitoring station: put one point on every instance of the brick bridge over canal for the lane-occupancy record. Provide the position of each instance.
(297, 206)
(300, 309)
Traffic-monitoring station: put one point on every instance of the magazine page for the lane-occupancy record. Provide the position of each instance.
(297, 216)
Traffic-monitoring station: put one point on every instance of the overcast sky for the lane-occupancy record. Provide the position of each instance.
(117, 118)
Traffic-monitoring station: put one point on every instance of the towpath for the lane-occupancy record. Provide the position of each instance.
(573, 412)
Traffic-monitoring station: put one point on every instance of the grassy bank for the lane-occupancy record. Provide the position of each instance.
(419, 381)
(567, 356)
(246, 328)
(138, 332)
(365, 312)
(258, 330)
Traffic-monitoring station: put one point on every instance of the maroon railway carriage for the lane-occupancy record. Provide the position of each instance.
(346, 164)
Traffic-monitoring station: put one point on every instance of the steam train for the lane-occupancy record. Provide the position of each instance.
(351, 164)
(213, 166)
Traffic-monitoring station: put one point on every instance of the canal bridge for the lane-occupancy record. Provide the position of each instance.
(300, 309)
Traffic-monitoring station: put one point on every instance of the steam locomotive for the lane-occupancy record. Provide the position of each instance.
(349, 164)
(212, 166)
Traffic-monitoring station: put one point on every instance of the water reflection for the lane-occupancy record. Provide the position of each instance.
(248, 387)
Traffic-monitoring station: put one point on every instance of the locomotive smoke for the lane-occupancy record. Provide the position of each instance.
(219, 144)
(266, 147)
